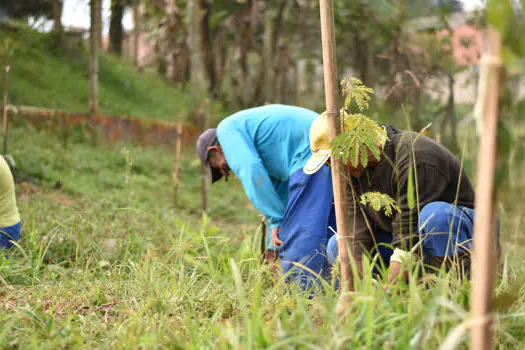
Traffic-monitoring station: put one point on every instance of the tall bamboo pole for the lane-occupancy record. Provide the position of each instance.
(331, 82)
(484, 224)
(6, 90)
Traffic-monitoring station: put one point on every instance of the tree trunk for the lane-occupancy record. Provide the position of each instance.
(198, 80)
(115, 27)
(272, 29)
(268, 58)
(57, 6)
(172, 50)
(198, 83)
(95, 9)
(368, 78)
(208, 59)
(136, 33)
(244, 48)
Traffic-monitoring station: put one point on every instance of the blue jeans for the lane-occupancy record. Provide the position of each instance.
(305, 227)
(444, 229)
(9, 234)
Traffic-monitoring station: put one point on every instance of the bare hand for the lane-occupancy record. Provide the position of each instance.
(276, 242)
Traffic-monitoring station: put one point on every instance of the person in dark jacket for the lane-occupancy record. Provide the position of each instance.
(435, 212)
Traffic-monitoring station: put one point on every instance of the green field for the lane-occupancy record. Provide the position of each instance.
(107, 261)
(43, 76)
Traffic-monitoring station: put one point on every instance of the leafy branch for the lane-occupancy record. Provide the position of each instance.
(353, 88)
(359, 134)
(380, 201)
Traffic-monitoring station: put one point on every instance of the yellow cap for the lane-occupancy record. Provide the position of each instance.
(320, 138)
(319, 145)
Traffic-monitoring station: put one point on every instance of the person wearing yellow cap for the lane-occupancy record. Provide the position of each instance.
(434, 222)
(9, 215)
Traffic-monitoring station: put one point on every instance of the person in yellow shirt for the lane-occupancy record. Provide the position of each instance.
(9, 215)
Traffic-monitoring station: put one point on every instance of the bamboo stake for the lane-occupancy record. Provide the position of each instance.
(344, 238)
(484, 261)
(6, 91)
(176, 170)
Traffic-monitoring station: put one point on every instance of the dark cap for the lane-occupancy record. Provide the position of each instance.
(205, 141)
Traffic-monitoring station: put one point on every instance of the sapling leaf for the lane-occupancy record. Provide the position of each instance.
(364, 158)
(379, 201)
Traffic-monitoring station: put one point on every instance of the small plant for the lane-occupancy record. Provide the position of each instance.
(359, 133)
(380, 201)
(354, 88)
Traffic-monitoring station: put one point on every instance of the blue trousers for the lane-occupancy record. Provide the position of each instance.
(9, 234)
(305, 227)
(445, 230)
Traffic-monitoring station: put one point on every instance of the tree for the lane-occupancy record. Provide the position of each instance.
(57, 6)
(94, 45)
(116, 30)
(165, 19)
(58, 29)
(136, 32)
(205, 12)
(25, 8)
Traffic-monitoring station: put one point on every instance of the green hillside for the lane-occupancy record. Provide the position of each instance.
(43, 76)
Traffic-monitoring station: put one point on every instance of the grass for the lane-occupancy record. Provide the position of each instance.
(106, 261)
(43, 76)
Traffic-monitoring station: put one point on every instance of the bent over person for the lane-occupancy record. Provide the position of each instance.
(433, 195)
(266, 148)
(9, 215)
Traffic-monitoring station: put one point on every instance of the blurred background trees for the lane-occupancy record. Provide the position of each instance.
(417, 54)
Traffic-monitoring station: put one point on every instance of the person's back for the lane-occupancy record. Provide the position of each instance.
(9, 215)
(279, 134)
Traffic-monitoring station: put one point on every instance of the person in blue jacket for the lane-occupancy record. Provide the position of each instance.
(266, 148)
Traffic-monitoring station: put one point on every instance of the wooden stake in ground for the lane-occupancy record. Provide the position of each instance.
(331, 81)
(6, 91)
(485, 261)
(176, 169)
